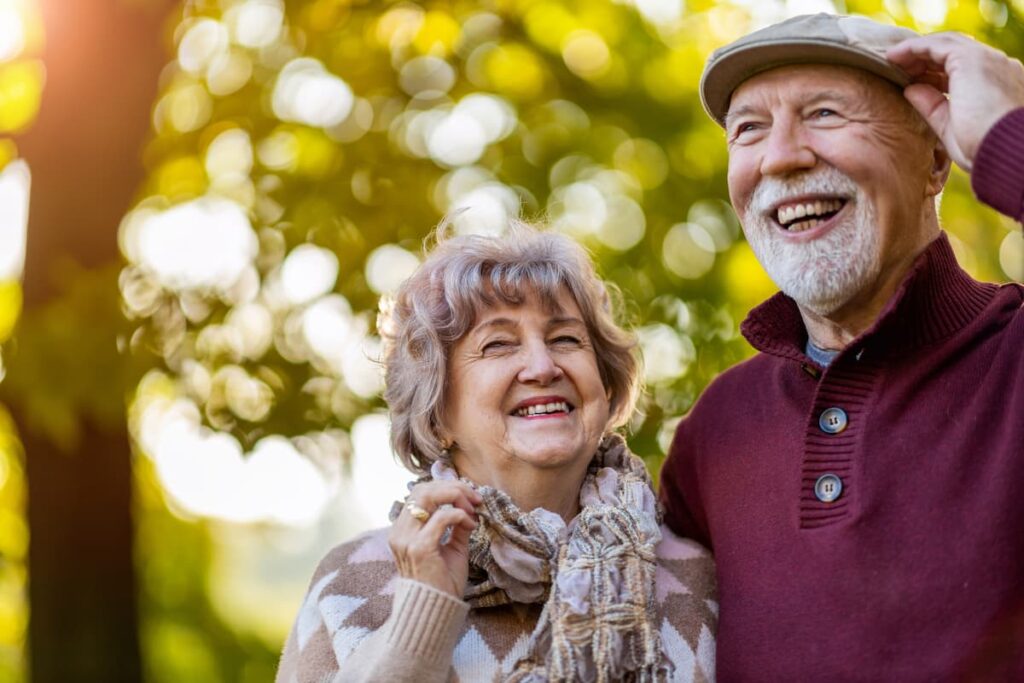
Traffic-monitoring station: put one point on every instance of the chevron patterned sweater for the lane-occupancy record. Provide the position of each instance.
(361, 622)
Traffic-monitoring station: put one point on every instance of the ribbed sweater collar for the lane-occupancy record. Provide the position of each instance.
(935, 300)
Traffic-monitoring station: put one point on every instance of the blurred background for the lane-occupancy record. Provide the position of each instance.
(201, 203)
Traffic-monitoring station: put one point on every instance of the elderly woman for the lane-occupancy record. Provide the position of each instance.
(530, 548)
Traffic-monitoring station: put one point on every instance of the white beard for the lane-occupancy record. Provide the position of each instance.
(827, 272)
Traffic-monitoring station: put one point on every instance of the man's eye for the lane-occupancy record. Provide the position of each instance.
(743, 130)
(824, 113)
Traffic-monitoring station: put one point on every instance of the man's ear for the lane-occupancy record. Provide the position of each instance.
(938, 172)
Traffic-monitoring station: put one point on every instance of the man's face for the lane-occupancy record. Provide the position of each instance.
(830, 175)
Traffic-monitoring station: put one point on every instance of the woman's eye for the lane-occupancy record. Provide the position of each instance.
(496, 345)
(566, 339)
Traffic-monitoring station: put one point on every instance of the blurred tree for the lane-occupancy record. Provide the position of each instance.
(303, 150)
(300, 154)
(67, 383)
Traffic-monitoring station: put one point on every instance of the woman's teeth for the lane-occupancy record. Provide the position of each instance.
(543, 409)
(800, 217)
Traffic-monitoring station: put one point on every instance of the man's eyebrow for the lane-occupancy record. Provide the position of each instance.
(816, 98)
(826, 95)
(738, 112)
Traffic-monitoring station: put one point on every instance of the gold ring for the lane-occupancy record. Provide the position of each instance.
(417, 512)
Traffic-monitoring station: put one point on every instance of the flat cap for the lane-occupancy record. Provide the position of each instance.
(806, 39)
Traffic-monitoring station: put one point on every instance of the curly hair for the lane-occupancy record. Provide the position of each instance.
(438, 304)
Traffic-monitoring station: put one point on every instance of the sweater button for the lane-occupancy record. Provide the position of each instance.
(828, 487)
(833, 420)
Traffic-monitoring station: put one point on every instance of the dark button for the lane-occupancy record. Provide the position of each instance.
(828, 487)
(833, 420)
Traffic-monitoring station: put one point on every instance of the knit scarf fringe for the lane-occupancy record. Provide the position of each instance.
(594, 576)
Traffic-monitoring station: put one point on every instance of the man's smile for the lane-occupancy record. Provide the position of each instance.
(806, 214)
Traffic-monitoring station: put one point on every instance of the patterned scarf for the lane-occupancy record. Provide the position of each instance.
(595, 576)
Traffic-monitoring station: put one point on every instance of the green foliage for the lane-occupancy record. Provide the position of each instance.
(592, 124)
(52, 386)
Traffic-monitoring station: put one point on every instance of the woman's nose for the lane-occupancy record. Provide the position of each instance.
(539, 366)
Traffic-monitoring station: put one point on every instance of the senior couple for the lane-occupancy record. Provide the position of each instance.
(859, 481)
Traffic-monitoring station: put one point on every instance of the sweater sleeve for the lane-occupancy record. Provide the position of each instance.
(678, 491)
(414, 644)
(998, 175)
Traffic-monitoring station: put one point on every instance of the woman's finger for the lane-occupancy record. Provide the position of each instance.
(432, 495)
(427, 542)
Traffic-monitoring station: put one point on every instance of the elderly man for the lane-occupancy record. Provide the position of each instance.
(861, 479)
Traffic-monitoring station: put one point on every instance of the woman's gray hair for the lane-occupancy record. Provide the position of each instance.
(439, 303)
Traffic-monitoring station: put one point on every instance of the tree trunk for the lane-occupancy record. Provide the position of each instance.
(103, 59)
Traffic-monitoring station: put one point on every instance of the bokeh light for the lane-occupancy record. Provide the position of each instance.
(206, 473)
(301, 156)
(12, 30)
(306, 93)
(308, 272)
(255, 23)
(15, 182)
(202, 244)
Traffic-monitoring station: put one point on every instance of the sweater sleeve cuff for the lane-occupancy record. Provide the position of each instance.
(998, 174)
(425, 622)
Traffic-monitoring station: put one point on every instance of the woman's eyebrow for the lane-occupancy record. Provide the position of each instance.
(492, 323)
(565, 320)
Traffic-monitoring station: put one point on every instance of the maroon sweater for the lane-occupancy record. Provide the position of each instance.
(916, 570)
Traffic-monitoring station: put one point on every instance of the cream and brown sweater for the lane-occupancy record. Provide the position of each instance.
(361, 622)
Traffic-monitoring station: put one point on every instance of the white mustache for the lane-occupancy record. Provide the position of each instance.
(771, 190)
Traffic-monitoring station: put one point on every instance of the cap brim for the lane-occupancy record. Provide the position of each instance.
(728, 71)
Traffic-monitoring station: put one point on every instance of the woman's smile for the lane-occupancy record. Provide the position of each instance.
(525, 392)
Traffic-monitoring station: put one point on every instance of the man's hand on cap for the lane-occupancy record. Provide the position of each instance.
(983, 85)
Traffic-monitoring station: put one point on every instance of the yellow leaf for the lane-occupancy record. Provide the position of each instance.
(10, 307)
(181, 177)
(21, 88)
(514, 70)
(8, 152)
(437, 35)
(745, 279)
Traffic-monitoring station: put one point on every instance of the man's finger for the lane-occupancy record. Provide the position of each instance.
(934, 50)
(930, 103)
(934, 108)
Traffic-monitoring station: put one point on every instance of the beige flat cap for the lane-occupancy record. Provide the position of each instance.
(807, 39)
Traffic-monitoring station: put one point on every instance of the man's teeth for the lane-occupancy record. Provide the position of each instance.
(803, 225)
(543, 409)
(789, 216)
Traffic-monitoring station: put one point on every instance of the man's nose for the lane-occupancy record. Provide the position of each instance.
(539, 366)
(788, 150)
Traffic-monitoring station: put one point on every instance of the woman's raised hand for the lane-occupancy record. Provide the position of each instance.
(415, 537)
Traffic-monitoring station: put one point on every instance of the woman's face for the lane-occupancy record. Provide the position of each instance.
(524, 393)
